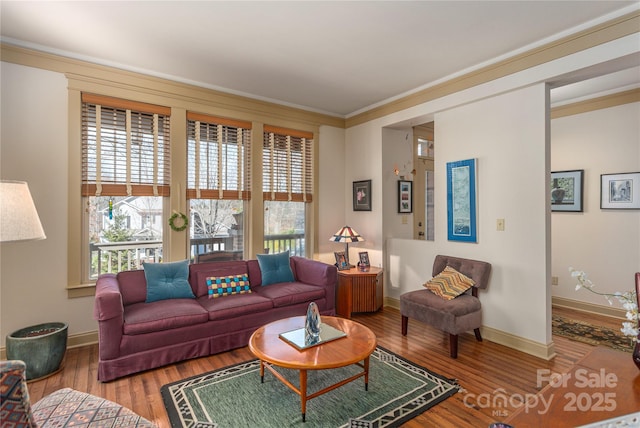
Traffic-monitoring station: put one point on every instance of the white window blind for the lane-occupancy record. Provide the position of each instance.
(125, 148)
(287, 159)
(218, 158)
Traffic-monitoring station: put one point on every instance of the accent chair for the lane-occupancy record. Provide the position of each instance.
(455, 316)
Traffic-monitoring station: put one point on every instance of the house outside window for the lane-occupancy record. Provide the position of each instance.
(218, 185)
(125, 182)
(287, 177)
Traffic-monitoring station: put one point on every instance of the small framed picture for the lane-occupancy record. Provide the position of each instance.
(341, 260)
(566, 190)
(364, 258)
(620, 191)
(405, 196)
(362, 195)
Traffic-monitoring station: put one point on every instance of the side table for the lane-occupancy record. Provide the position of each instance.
(359, 291)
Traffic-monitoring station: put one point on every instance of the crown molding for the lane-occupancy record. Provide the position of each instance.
(181, 94)
(606, 32)
(612, 100)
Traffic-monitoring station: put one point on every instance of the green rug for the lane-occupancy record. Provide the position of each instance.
(592, 334)
(233, 397)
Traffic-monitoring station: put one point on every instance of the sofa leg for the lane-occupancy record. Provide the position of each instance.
(405, 323)
(478, 336)
(453, 345)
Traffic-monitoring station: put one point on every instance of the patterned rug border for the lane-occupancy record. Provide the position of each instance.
(621, 343)
(179, 408)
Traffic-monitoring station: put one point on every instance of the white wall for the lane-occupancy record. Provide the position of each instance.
(363, 154)
(397, 151)
(332, 190)
(33, 275)
(604, 243)
(506, 134)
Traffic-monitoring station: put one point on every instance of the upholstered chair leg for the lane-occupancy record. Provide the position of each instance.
(453, 345)
(478, 336)
(405, 323)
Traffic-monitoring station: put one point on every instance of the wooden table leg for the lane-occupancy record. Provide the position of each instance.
(303, 393)
(261, 371)
(366, 374)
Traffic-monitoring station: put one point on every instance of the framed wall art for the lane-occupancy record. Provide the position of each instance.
(362, 195)
(566, 190)
(405, 196)
(461, 201)
(620, 191)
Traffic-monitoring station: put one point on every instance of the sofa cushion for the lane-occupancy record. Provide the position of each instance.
(275, 268)
(141, 318)
(167, 281)
(221, 286)
(234, 306)
(449, 284)
(291, 293)
(132, 285)
(199, 272)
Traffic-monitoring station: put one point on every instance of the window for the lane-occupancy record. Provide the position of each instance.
(125, 179)
(218, 183)
(287, 177)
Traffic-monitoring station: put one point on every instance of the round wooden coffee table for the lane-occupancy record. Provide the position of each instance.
(272, 350)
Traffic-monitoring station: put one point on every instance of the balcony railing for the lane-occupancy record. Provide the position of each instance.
(111, 257)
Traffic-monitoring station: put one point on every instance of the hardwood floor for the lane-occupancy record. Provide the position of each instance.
(483, 369)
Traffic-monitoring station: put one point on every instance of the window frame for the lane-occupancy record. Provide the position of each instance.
(91, 184)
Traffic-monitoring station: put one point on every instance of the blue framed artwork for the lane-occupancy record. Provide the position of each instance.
(461, 201)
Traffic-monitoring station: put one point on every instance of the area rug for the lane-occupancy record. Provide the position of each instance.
(233, 397)
(592, 334)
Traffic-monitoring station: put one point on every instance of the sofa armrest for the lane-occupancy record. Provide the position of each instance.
(317, 273)
(108, 310)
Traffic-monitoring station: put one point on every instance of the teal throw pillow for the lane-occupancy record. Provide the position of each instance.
(167, 281)
(275, 268)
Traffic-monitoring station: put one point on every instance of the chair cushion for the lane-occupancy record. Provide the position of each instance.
(68, 407)
(449, 284)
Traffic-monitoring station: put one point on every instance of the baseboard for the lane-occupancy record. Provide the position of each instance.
(73, 341)
(392, 303)
(518, 343)
(591, 308)
(528, 346)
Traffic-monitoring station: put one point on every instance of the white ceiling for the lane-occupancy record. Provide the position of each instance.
(334, 57)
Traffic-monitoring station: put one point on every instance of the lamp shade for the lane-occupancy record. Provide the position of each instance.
(346, 234)
(19, 219)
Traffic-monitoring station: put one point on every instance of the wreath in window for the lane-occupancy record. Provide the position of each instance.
(183, 223)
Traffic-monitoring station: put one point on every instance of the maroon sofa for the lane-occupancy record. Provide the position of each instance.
(136, 336)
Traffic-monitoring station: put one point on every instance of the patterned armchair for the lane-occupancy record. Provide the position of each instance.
(65, 407)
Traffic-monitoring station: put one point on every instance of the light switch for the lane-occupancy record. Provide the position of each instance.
(404, 219)
(500, 224)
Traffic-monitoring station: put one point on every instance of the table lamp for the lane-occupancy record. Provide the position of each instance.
(346, 235)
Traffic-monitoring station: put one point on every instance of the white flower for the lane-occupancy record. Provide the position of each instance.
(628, 300)
(629, 330)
